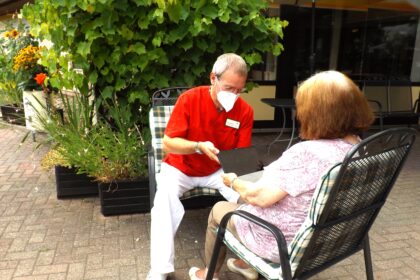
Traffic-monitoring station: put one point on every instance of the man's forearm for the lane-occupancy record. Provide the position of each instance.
(179, 145)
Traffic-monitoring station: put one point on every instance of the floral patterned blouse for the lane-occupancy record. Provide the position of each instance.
(296, 172)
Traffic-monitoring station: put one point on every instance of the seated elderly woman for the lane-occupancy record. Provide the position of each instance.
(332, 112)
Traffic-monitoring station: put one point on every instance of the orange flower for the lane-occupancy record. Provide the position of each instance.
(40, 78)
(14, 33)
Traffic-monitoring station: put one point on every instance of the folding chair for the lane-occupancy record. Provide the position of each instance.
(163, 102)
(344, 206)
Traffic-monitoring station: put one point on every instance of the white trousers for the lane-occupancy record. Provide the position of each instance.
(168, 211)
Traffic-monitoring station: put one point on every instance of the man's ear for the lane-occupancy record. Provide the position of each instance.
(212, 78)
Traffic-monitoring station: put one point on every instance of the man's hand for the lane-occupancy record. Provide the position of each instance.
(209, 150)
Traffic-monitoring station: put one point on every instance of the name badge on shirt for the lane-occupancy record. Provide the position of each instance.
(232, 123)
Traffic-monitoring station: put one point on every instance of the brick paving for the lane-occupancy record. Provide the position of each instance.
(45, 238)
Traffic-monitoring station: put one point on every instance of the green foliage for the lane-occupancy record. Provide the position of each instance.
(123, 51)
(131, 48)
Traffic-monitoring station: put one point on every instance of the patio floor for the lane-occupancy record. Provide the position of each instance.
(45, 238)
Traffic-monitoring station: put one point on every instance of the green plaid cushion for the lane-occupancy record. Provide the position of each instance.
(268, 269)
(158, 118)
(299, 243)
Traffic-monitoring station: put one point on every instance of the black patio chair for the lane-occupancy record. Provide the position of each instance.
(163, 102)
(392, 100)
(344, 206)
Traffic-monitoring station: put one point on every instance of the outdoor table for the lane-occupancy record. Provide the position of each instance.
(283, 104)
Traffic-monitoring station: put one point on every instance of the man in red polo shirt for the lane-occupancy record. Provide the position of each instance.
(205, 120)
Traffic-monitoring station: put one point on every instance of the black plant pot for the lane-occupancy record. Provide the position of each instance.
(13, 114)
(124, 197)
(70, 184)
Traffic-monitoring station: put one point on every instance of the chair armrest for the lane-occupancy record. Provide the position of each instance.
(378, 104)
(278, 235)
(379, 113)
(152, 175)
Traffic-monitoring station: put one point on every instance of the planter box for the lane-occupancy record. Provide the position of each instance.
(69, 184)
(124, 197)
(13, 114)
(35, 105)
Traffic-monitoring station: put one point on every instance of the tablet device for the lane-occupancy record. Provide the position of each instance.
(240, 161)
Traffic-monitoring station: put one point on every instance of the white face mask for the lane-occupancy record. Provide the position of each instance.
(227, 99)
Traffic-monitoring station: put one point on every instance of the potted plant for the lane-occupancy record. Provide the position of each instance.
(67, 123)
(114, 152)
(111, 151)
(69, 183)
(12, 40)
(19, 56)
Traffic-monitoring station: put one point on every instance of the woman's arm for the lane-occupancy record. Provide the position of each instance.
(257, 195)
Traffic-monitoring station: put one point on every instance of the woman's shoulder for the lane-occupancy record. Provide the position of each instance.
(316, 148)
(321, 143)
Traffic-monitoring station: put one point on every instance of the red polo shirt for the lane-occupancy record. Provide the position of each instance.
(196, 118)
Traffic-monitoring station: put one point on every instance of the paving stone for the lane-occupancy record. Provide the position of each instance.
(45, 258)
(76, 271)
(102, 273)
(6, 274)
(25, 267)
(128, 272)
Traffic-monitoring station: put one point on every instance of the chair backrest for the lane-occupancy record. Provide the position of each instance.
(163, 102)
(348, 200)
(376, 89)
(400, 95)
(393, 95)
(167, 96)
(158, 118)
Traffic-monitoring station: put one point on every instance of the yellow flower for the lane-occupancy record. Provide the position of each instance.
(26, 58)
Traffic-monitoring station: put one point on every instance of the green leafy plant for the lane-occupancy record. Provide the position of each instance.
(69, 119)
(123, 51)
(131, 48)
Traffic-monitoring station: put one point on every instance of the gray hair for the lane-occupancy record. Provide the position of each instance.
(227, 61)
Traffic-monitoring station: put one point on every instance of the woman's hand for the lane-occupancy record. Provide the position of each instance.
(228, 178)
(254, 193)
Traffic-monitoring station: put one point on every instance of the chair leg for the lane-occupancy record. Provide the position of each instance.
(215, 255)
(368, 258)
